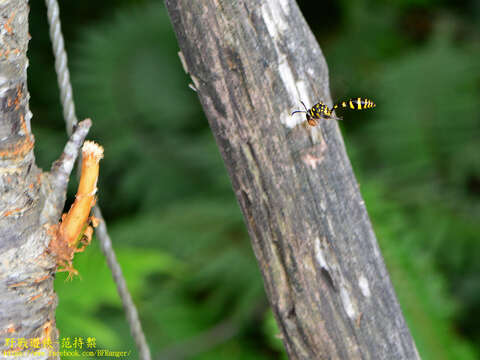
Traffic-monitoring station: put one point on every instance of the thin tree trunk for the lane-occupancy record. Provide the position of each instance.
(251, 62)
(31, 202)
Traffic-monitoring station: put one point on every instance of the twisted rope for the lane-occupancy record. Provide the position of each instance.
(130, 309)
(63, 76)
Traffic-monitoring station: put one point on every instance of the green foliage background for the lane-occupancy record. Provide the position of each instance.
(174, 221)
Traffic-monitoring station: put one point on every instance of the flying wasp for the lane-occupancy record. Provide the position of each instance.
(322, 111)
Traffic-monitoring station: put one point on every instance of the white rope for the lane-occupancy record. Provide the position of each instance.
(63, 75)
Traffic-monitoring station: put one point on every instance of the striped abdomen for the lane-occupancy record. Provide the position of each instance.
(355, 104)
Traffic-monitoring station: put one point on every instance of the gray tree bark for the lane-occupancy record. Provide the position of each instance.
(251, 62)
(31, 201)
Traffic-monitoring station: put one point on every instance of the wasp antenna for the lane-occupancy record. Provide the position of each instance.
(297, 111)
(304, 106)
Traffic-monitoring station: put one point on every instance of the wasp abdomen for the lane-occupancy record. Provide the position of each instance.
(356, 104)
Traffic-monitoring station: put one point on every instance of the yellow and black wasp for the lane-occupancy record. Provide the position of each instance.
(322, 111)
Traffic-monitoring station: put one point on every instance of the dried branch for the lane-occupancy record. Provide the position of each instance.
(75, 226)
(62, 168)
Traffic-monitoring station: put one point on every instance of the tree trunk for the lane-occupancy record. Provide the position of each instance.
(31, 202)
(251, 62)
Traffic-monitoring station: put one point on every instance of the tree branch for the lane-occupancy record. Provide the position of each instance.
(27, 297)
(251, 63)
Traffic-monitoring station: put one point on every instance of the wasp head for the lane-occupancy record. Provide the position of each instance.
(311, 118)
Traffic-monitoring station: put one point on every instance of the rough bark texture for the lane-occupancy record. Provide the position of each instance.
(251, 62)
(30, 202)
